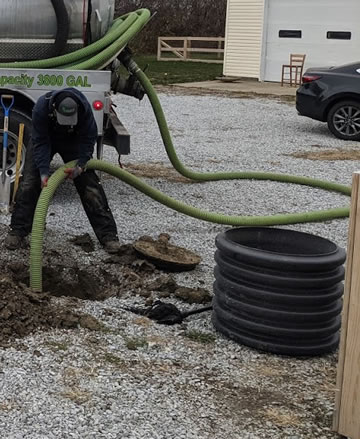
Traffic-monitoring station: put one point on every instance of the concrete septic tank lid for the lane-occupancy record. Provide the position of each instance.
(166, 256)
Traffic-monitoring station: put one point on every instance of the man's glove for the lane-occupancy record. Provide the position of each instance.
(72, 173)
(44, 180)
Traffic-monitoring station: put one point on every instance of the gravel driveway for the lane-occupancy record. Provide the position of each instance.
(131, 378)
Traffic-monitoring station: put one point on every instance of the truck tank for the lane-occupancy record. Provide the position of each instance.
(36, 29)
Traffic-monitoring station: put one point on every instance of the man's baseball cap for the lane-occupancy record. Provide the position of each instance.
(66, 110)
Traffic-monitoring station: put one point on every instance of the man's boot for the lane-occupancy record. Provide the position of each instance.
(14, 241)
(112, 246)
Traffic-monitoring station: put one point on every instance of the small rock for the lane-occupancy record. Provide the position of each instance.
(163, 294)
(149, 301)
(191, 295)
(85, 242)
(163, 283)
(89, 322)
(145, 293)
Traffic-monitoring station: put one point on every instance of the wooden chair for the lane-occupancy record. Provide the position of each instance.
(292, 73)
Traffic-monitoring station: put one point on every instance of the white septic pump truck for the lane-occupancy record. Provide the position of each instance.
(42, 29)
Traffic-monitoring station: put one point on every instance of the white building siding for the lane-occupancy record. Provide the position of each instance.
(243, 38)
(312, 19)
(256, 43)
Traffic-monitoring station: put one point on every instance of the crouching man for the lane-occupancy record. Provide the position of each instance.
(63, 123)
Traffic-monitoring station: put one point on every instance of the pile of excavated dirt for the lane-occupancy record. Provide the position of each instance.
(22, 312)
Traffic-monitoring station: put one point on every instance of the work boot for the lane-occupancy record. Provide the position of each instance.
(112, 246)
(14, 242)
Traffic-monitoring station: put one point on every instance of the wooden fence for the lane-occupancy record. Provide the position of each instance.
(185, 47)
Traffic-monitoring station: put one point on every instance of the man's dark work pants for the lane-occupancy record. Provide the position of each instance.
(89, 188)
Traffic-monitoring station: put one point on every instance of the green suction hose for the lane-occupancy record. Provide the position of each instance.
(55, 180)
(98, 54)
(215, 176)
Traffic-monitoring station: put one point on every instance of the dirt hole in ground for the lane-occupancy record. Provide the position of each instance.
(22, 312)
(60, 280)
(328, 154)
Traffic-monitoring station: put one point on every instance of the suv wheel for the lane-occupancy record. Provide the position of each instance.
(344, 120)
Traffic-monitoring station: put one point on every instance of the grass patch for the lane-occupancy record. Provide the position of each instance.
(57, 346)
(7, 406)
(76, 395)
(328, 154)
(113, 359)
(281, 419)
(135, 343)
(200, 337)
(106, 329)
(171, 72)
(157, 170)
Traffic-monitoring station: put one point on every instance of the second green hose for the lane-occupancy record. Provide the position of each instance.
(56, 179)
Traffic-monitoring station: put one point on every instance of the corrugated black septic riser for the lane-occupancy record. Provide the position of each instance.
(278, 290)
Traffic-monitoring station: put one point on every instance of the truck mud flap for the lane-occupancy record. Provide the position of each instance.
(116, 135)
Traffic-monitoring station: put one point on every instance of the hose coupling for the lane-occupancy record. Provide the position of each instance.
(129, 86)
(128, 62)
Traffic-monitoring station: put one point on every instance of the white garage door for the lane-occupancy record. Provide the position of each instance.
(327, 31)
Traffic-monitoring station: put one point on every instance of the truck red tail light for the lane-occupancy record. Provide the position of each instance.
(310, 78)
(98, 105)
